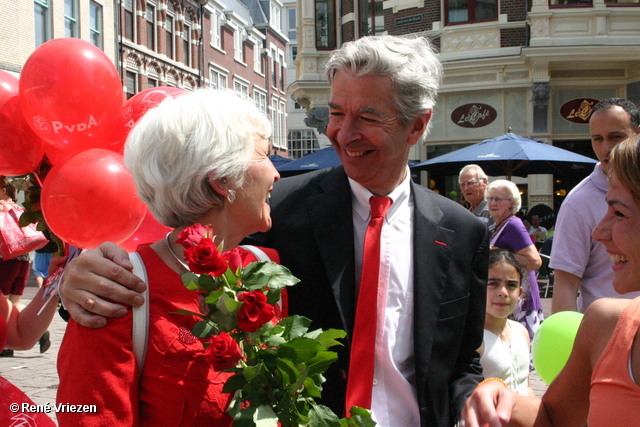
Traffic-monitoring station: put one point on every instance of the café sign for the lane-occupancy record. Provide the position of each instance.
(578, 110)
(474, 115)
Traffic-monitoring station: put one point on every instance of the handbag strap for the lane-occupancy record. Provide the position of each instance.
(257, 252)
(140, 334)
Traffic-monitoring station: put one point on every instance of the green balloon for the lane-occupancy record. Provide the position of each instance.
(453, 195)
(553, 342)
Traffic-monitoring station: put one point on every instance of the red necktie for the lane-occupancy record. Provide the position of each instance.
(361, 361)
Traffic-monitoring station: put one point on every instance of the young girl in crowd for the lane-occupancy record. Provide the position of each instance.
(504, 353)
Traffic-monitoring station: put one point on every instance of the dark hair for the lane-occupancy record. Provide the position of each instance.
(518, 262)
(11, 190)
(628, 106)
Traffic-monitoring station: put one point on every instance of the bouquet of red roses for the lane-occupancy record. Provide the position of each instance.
(278, 365)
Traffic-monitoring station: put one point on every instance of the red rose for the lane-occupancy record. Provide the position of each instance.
(191, 236)
(255, 311)
(205, 258)
(233, 258)
(223, 352)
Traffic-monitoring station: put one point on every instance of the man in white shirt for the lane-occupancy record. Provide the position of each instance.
(581, 264)
(473, 184)
(537, 231)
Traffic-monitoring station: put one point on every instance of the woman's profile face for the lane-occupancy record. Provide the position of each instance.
(619, 231)
(251, 207)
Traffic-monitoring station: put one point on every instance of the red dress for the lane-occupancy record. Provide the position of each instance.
(178, 387)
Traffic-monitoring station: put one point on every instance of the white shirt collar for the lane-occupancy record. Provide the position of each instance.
(399, 196)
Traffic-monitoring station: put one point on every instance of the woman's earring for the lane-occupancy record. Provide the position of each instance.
(231, 196)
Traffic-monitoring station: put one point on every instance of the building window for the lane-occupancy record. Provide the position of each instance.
(238, 45)
(217, 79)
(294, 53)
(325, 24)
(274, 68)
(260, 99)
(71, 18)
(371, 17)
(150, 14)
(281, 70)
(42, 27)
(583, 3)
(95, 24)
(131, 83)
(301, 142)
(241, 87)
(151, 82)
(466, 11)
(276, 16)
(292, 24)
(129, 20)
(169, 31)
(278, 117)
(216, 34)
(186, 45)
(257, 58)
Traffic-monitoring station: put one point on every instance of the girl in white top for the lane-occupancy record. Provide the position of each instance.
(504, 352)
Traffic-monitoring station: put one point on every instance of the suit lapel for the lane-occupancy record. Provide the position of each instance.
(432, 255)
(330, 213)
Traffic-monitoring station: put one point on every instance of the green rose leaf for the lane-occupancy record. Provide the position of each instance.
(204, 329)
(265, 417)
(300, 350)
(321, 362)
(288, 370)
(188, 313)
(295, 326)
(328, 337)
(321, 416)
(190, 280)
(212, 298)
(235, 382)
(257, 275)
(207, 283)
(228, 304)
(312, 388)
(360, 417)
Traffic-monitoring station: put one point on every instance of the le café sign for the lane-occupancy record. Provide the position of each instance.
(474, 115)
(578, 110)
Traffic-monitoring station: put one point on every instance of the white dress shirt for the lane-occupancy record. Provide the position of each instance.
(394, 399)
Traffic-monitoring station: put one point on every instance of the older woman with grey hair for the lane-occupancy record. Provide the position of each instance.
(510, 234)
(199, 158)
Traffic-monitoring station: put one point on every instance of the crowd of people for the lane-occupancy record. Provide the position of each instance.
(451, 309)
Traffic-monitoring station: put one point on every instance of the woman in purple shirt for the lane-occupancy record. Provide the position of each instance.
(510, 234)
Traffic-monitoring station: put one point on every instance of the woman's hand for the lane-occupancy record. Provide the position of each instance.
(490, 404)
(104, 272)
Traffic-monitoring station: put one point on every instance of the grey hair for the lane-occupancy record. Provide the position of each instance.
(410, 63)
(479, 172)
(180, 147)
(500, 184)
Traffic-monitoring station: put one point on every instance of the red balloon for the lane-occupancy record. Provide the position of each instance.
(21, 150)
(71, 95)
(149, 231)
(136, 107)
(140, 103)
(91, 199)
(8, 86)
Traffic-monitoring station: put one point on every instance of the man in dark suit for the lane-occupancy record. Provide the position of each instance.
(434, 252)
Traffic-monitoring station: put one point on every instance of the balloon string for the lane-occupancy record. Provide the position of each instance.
(38, 179)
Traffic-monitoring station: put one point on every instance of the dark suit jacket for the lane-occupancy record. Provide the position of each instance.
(313, 232)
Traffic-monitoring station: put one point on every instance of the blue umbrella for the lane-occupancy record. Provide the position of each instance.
(278, 160)
(324, 158)
(509, 154)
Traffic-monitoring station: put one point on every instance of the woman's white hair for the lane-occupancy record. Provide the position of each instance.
(180, 147)
(503, 184)
(410, 63)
